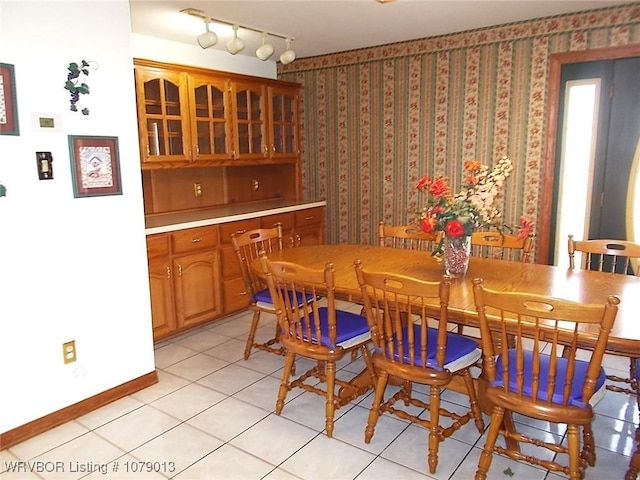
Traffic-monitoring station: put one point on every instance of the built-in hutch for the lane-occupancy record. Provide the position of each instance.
(219, 154)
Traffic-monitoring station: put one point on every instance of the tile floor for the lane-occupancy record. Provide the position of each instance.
(211, 417)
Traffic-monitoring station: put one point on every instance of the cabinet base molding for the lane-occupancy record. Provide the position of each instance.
(55, 419)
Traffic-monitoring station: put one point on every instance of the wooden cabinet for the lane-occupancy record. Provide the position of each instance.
(160, 285)
(163, 115)
(310, 226)
(249, 120)
(283, 122)
(189, 117)
(184, 272)
(210, 104)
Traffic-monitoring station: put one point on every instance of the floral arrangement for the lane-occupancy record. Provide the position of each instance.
(473, 207)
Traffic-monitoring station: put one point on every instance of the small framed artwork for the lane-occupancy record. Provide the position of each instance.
(8, 105)
(95, 166)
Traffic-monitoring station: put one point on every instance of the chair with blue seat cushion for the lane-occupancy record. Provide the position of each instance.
(408, 350)
(247, 245)
(529, 345)
(319, 331)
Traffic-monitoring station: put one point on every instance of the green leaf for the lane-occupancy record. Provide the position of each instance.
(85, 111)
(83, 88)
(73, 68)
(69, 85)
(508, 472)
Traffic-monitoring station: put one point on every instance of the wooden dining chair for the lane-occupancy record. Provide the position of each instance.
(501, 246)
(317, 330)
(613, 256)
(413, 352)
(410, 237)
(247, 246)
(634, 463)
(546, 386)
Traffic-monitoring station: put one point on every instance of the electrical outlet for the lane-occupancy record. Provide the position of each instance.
(69, 351)
(197, 189)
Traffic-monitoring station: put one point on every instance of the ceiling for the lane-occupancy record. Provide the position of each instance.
(327, 26)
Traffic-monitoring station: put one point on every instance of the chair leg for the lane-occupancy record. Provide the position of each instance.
(573, 445)
(284, 383)
(252, 334)
(330, 406)
(434, 423)
(374, 412)
(492, 435)
(473, 400)
(589, 447)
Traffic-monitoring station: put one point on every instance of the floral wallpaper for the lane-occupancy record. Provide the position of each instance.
(376, 120)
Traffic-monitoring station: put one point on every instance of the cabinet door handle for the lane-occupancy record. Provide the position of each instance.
(243, 294)
(168, 272)
(196, 240)
(179, 269)
(273, 148)
(310, 217)
(148, 151)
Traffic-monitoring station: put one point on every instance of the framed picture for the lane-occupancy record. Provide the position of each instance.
(95, 166)
(8, 105)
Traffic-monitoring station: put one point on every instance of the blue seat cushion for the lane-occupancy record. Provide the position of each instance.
(263, 298)
(351, 328)
(458, 346)
(580, 374)
(638, 370)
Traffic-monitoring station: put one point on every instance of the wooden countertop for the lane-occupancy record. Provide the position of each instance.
(169, 222)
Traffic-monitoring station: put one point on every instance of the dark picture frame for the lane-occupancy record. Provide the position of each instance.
(8, 103)
(95, 166)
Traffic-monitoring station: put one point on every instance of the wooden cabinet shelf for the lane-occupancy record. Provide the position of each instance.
(190, 116)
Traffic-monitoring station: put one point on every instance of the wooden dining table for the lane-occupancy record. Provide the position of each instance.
(584, 286)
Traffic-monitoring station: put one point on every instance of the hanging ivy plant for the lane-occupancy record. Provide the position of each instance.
(76, 85)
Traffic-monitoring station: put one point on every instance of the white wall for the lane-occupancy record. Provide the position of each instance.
(70, 269)
(75, 269)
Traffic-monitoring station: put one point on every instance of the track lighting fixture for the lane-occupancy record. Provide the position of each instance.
(288, 55)
(264, 51)
(236, 44)
(208, 38)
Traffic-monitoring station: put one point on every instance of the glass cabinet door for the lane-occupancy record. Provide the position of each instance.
(249, 121)
(284, 121)
(162, 115)
(211, 126)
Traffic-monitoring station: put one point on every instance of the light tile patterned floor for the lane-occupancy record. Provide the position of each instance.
(211, 417)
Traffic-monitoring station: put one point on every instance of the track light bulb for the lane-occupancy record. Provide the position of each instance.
(265, 50)
(207, 39)
(288, 55)
(235, 45)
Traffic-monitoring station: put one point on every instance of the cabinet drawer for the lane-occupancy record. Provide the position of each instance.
(285, 219)
(201, 238)
(226, 229)
(309, 216)
(235, 296)
(157, 246)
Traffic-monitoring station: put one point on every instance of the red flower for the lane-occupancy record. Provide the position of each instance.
(423, 182)
(439, 187)
(454, 229)
(525, 228)
(428, 224)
